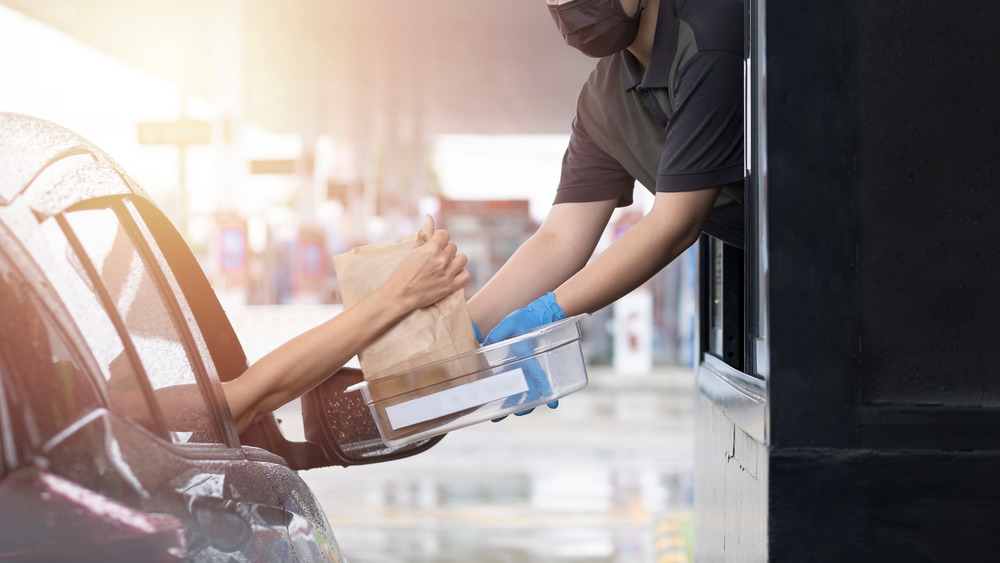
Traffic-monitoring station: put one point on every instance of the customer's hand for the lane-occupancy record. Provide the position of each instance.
(431, 270)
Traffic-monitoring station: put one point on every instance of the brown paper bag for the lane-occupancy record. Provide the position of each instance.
(440, 331)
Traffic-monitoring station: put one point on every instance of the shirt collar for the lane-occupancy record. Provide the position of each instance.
(631, 73)
(657, 74)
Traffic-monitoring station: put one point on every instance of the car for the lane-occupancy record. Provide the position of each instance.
(116, 441)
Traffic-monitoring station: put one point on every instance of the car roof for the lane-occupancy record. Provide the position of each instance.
(29, 145)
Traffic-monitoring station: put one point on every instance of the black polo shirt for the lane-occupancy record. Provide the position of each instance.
(677, 127)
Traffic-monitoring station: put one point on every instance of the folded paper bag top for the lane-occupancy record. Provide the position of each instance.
(440, 331)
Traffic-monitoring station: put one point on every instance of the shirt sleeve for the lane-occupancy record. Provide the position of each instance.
(704, 142)
(590, 174)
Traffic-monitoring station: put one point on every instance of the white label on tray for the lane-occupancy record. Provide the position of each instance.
(458, 398)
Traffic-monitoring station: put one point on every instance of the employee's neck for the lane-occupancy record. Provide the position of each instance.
(643, 44)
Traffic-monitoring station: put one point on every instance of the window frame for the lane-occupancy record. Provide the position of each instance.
(15, 452)
(724, 351)
(224, 350)
(8, 457)
(734, 351)
(212, 395)
(195, 342)
(111, 311)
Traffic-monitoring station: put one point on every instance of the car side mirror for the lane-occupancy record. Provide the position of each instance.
(339, 429)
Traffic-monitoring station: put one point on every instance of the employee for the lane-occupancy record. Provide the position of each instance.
(663, 106)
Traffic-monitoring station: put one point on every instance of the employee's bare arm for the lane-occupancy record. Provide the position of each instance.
(559, 249)
(674, 224)
(555, 258)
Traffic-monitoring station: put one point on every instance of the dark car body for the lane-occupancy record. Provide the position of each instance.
(116, 441)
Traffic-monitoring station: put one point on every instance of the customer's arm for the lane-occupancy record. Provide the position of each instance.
(428, 273)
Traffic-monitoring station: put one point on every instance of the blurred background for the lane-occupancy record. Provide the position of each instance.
(277, 133)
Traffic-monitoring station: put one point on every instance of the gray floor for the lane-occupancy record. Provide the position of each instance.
(605, 477)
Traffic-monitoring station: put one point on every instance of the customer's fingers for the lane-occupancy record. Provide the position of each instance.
(458, 263)
(450, 251)
(425, 232)
(462, 278)
(441, 238)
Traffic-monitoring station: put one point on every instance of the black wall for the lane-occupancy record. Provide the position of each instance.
(883, 506)
(883, 403)
(883, 126)
(925, 97)
(811, 228)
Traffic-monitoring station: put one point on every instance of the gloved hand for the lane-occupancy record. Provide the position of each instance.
(479, 335)
(541, 311)
(538, 385)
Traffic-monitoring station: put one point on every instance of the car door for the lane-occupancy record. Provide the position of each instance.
(243, 500)
(50, 403)
(153, 342)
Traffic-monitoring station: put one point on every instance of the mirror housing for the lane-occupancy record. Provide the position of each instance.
(339, 429)
(343, 425)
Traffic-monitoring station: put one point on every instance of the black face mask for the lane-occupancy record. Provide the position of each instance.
(596, 27)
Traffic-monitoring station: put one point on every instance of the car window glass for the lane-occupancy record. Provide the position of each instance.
(181, 273)
(70, 280)
(44, 383)
(150, 322)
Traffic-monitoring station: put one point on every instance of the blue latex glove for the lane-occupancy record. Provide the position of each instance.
(538, 385)
(541, 311)
(479, 335)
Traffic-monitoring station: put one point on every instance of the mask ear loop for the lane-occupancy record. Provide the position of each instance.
(640, 10)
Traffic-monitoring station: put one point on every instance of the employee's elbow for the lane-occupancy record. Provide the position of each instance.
(684, 231)
(684, 214)
(690, 234)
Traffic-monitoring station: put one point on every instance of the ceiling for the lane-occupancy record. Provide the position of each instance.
(421, 67)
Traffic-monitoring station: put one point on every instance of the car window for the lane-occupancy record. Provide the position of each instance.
(150, 320)
(215, 331)
(44, 383)
(103, 340)
(212, 339)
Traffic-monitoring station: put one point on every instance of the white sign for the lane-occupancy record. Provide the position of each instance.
(497, 386)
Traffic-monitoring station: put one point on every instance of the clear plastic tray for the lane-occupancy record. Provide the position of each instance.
(496, 380)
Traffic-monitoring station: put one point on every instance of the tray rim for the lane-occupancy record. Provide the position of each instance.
(496, 346)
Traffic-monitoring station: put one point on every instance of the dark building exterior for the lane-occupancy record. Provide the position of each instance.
(849, 404)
